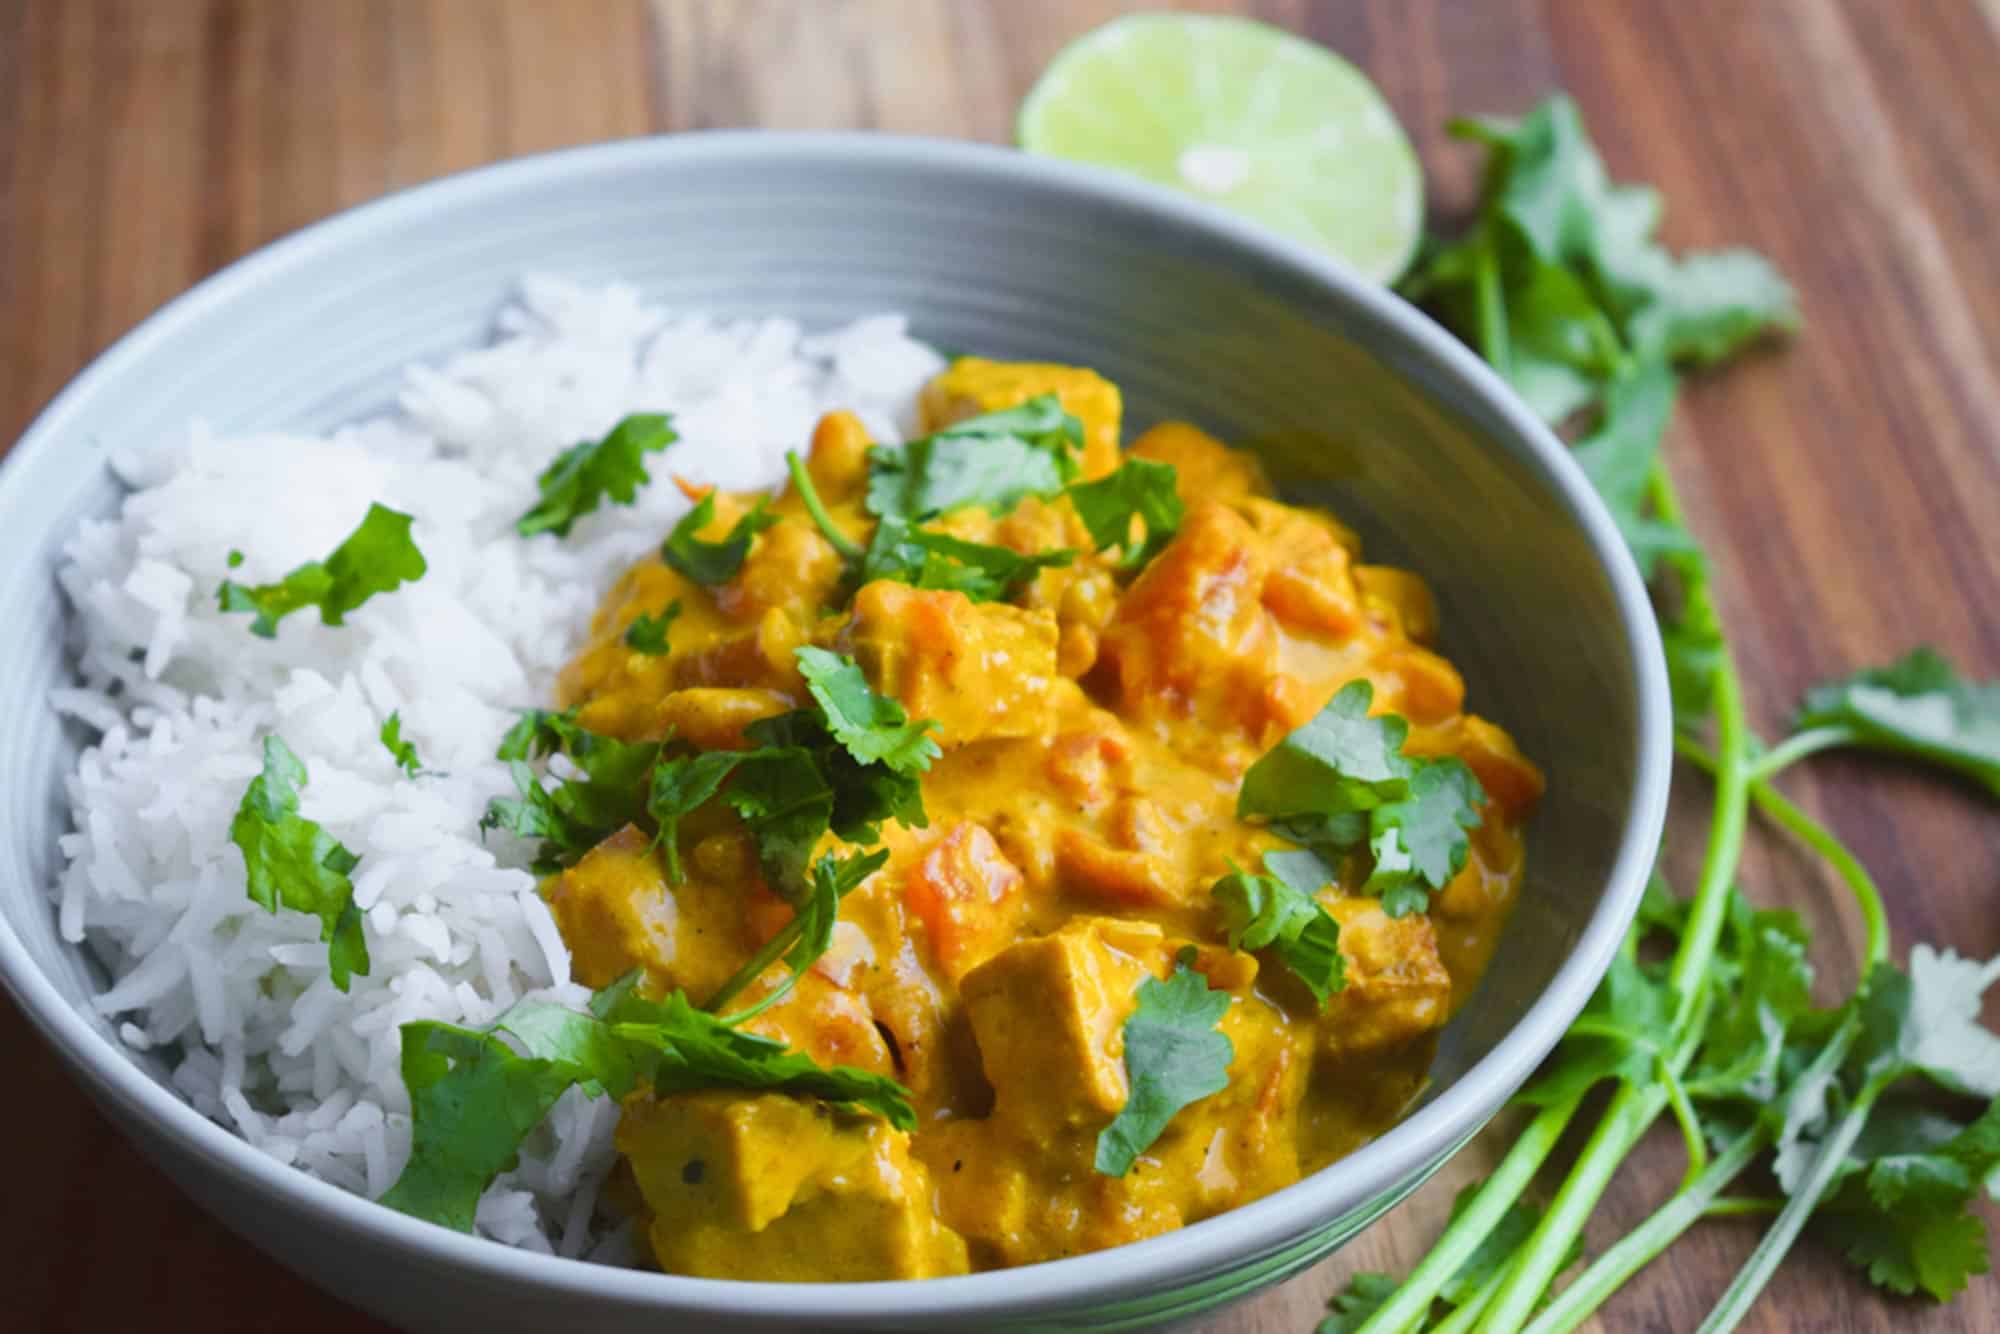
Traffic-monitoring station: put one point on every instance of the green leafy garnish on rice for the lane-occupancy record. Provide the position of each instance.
(475, 1094)
(375, 558)
(585, 474)
(291, 862)
(402, 752)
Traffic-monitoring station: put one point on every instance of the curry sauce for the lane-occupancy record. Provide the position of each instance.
(1095, 728)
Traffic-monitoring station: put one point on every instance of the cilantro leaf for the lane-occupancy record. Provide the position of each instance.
(1421, 841)
(1343, 780)
(291, 862)
(809, 934)
(474, 1098)
(1354, 1305)
(472, 1101)
(1903, 1212)
(583, 475)
(873, 727)
(1618, 458)
(1140, 489)
(700, 1051)
(787, 805)
(1619, 1034)
(376, 557)
(1927, 1022)
(1265, 912)
(1919, 706)
(648, 633)
(401, 751)
(680, 785)
(712, 563)
(537, 732)
(1174, 1056)
(607, 789)
(926, 559)
(901, 551)
(1342, 762)
(993, 460)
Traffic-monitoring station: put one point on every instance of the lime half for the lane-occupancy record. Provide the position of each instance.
(1243, 115)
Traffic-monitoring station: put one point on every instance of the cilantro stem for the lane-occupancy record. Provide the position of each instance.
(1412, 1301)
(1796, 747)
(1467, 1315)
(809, 494)
(1690, 1124)
(1695, 1200)
(1492, 306)
(1820, 839)
(772, 951)
(1631, 1111)
(1826, 1163)
(1743, 1206)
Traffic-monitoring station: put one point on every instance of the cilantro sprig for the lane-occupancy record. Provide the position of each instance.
(1174, 1056)
(901, 549)
(647, 633)
(711, 563)
(292, 863)
(404, 753)
(1918, 706)
(1281, 912)
(377, 557)
(1140, 489)
(1560, 286)
(994, 460)
(476, 1094)
(587, 474)
(1343, 782)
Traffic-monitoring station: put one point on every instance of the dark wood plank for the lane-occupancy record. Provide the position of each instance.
(1844, 483)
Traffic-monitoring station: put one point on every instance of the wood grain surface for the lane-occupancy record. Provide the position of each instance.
(1847, 483)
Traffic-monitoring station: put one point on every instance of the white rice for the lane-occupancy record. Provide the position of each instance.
(238, 999)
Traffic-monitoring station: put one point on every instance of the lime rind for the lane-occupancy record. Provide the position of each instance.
(1243, 115)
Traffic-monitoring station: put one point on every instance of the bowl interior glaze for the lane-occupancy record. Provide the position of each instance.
(1355, 400)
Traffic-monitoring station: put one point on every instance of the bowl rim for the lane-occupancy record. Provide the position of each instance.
(1155, 1264)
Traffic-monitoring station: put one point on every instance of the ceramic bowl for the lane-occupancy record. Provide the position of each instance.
(1355, 399)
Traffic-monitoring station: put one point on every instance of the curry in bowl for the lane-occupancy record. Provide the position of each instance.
(1102, 842)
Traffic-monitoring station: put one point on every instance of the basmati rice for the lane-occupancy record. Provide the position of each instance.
(181, 696)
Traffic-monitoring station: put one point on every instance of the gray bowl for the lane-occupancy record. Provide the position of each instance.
(1356, 399)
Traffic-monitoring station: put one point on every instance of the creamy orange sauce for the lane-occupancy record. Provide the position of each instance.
(1095, 730)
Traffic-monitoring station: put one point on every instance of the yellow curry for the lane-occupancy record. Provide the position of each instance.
(1094, 727)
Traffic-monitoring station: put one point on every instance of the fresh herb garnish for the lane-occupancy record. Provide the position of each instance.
(809, 934)
(647, 633)
(1174, 1055)
(476, 1094)
(902, 551)
(605, 790)
(1918, 706)
(585, 474)
(291, 862)
(1561, 287)
(1284, 915)
(995, 461)
(712, 563)
(873, 727)
(1140, 489)
(375, 558)
(1343, 780)
(402, 752)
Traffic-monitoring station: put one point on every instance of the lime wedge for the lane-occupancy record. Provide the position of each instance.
(1243, 115)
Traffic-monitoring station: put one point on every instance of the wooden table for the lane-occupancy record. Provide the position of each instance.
(1847, 483)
